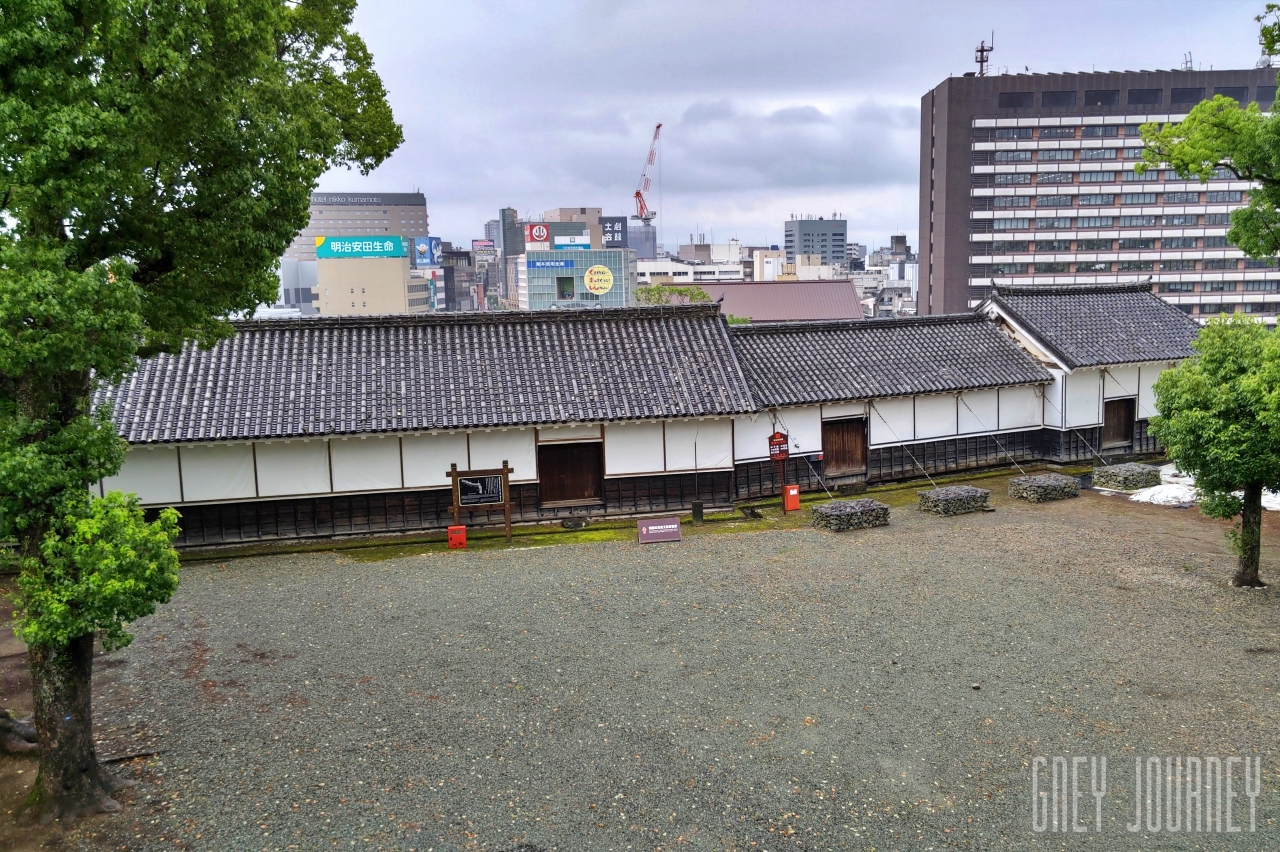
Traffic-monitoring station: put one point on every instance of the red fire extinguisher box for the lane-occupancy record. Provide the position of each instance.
(791, 497)
(457, 538)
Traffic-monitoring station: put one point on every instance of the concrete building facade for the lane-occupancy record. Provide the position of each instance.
(1029, 179)
(350, 214)
(816, 235)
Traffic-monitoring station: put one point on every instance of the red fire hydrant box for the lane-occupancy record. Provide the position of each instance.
(457, 538)
(791, 497)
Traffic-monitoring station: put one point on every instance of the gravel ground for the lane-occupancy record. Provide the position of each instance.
(783, 690)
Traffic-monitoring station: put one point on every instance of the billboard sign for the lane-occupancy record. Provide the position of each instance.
(550, 264)
(537, 232)
(614, 229)
(483, 251)
(359, 247)
(598, 280)
(579, 241)
(426, 251)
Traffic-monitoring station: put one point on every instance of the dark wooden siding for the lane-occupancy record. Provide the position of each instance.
(950, 455)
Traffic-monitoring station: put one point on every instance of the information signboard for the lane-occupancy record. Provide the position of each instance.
(779, 449)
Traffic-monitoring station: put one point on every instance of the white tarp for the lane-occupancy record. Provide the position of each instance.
(1178, 489)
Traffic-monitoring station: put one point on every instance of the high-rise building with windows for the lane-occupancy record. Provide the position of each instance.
(816, 235)
(1029, 179)
(351, 214)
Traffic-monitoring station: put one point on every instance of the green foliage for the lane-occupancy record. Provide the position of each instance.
(738, 320)
(670, 294)
(1219, 413)
(1216, 134)
(102, 567)
(156, 159)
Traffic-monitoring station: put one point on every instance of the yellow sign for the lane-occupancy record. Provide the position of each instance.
(598, 280)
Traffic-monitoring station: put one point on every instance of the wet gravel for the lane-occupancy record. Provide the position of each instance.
(883, 689)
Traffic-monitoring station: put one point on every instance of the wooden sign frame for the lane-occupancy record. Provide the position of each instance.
(457, 509)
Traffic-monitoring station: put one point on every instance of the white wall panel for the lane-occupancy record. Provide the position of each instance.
(517, 446)
(1120, 382)
(293, 467)
(803, 426)
(1084, 398)
(1146, 393)
(149, 472)
(979, 411)
(1055, 398)
(844, 409)
(751, 437)
(631, 448)
(427, 457)
(935, 415)
(365, 464)
(554, 434)
(892, 421)
(218, 472)
(1020, 408)
(699, 444)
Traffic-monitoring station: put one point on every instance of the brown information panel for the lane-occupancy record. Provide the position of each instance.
(481, 490)
(659, 529)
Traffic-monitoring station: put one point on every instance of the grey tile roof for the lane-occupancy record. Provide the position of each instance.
(798, 363)
(283, 378)
(1086, 325)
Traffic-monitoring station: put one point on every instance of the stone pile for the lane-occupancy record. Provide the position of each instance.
(954, 500)
(841, 515)
(1044, 487)
(1126, 477)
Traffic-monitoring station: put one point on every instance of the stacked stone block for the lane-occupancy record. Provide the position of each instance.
(1126, 477)
(1044, 487)
(841, 515)
(954, 500)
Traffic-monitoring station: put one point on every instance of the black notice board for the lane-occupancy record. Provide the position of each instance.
(480, 490)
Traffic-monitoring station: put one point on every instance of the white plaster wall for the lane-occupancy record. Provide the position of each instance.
(218, 472)
(979, 411)
(365, 464)
(935, 415)
(1146, 391)
(1120, 382)
(844, 409)
(517, 446)
(556, 434)
(891, 421)
(751, 437)
(631, 448)
(803, 426)
(149, 472)
(292, 467)
(701, 444)
(427, 458)
(1055, 398)
(1084, 398)
(1020, 408)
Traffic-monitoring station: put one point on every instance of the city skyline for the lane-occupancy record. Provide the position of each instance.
(764, 114)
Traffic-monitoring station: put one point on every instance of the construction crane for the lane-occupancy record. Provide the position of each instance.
(643, 213)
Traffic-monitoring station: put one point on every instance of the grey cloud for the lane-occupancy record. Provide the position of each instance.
(800, 115)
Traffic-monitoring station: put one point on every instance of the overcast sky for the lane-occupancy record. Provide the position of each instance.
(768, 109)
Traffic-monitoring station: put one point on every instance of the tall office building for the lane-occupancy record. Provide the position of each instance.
(816, 235)
(1029, 179)
(352, 214)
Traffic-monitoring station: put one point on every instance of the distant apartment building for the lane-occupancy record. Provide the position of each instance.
(1029, 179)
(351, 214)
(677, 271)
(816, 235)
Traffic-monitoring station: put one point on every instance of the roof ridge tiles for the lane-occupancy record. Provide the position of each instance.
(1068, 289)
(475, 318)
(873, 322)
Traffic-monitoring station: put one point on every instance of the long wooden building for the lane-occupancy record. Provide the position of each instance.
(349, 425)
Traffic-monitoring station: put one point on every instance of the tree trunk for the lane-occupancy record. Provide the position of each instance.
(1250, 539)
(70, 783)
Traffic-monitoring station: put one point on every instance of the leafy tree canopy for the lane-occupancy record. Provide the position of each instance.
(668, 294)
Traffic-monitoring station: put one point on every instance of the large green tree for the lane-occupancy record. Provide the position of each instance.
(156, 159)
(1219, 418)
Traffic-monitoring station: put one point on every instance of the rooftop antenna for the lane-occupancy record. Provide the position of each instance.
(981, 53)
(1187, 64)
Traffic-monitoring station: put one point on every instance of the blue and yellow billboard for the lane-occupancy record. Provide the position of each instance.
(383, 246)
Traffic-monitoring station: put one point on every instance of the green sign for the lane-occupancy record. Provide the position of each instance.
(359, 247)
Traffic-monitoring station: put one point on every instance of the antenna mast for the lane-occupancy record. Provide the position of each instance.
(981, 53)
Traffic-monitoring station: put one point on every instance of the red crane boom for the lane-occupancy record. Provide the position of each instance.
(643, 213)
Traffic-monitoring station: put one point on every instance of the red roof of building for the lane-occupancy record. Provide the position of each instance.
(787, 300)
